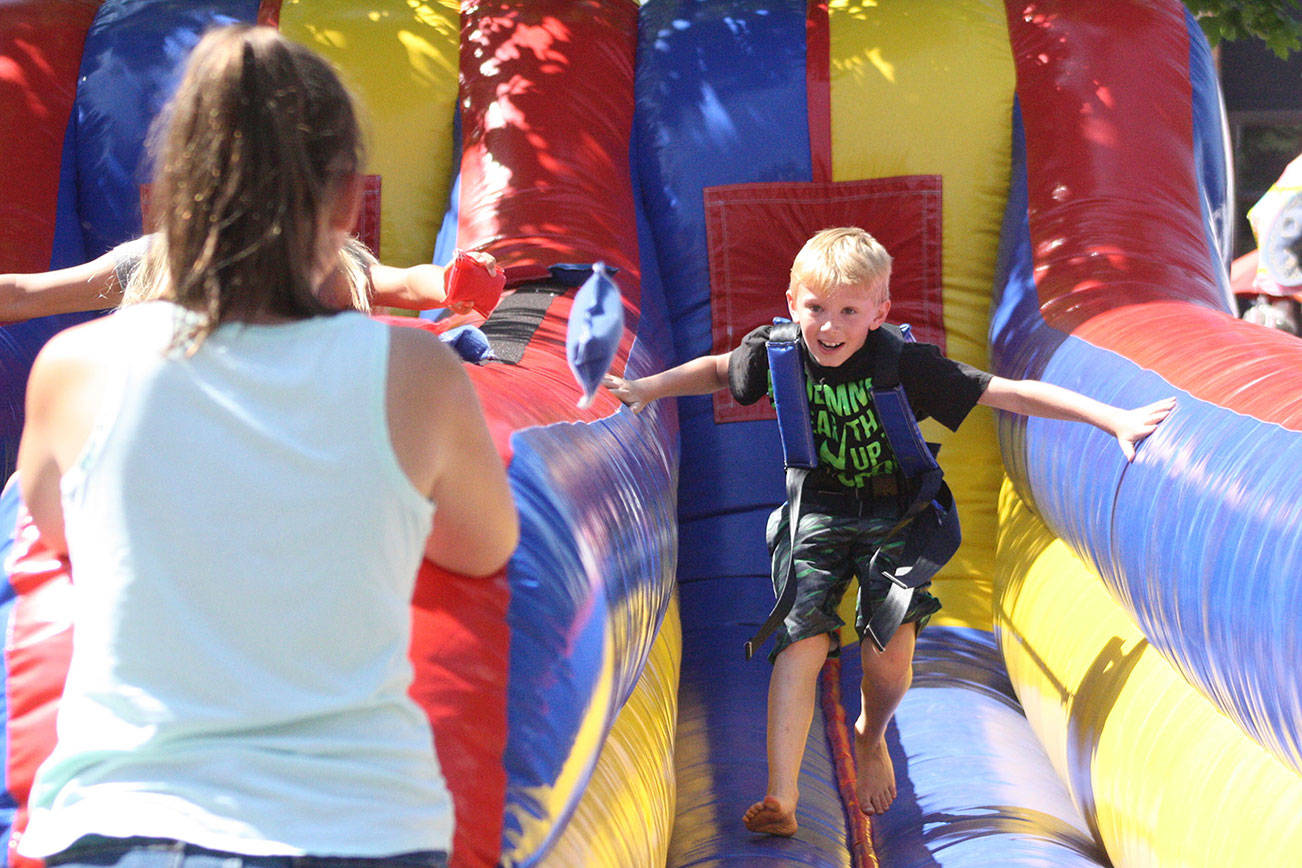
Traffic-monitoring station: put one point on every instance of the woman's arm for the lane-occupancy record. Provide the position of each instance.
(90, 286)
(64, 390)
(442, 441)
(421, 287)
(39, 470)
(1038, 398)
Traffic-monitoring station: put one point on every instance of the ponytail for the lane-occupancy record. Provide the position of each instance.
(254, 148)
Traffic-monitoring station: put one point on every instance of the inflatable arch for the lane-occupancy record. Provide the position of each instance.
(1111, 680)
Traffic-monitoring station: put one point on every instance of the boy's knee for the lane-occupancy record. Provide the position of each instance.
(887, 676)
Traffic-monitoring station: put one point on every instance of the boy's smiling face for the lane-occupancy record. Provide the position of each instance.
(835, 323)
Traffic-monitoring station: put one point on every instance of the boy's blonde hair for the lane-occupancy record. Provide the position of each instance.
(839, 257)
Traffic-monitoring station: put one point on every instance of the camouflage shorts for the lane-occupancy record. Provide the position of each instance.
(830, 550)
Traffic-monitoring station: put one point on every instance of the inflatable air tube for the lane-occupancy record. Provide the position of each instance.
(1115, 286)
(524, 675)
(758, 124)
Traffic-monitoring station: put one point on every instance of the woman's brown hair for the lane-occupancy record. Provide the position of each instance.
(258, 141)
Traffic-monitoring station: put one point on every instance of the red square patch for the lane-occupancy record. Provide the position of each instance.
(368, 221)
(755, 230)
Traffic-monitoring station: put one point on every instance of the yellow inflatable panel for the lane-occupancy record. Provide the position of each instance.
(889, 62)
(401, 59)
(626, 814)
(1162, 776)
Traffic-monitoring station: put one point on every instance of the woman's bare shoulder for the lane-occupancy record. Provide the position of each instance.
(427, 380)
(89, 341)
(415, 352)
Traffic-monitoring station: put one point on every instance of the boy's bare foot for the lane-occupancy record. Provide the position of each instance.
(875, 775)
(770, 817)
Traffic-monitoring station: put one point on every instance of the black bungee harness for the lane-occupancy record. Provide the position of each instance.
(929, 523)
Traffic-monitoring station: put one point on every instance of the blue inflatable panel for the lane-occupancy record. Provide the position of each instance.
(720, 755)
(9, 505)
(701, 555)
(720, 100)
(1020, 340)
(1212, 159)
(1179, 540)
(654, 340)
(132, 59)
(584, 606)
(967, 766)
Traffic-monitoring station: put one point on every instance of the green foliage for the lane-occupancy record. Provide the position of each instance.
(1274, 22)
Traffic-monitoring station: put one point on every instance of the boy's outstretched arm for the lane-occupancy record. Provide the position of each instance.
(700, 376)
(1038, 398)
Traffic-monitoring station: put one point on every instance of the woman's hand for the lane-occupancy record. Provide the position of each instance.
(473, 281)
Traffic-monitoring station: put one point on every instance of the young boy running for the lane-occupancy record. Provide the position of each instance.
(839, 296)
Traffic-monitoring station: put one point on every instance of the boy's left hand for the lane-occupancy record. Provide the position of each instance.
(1134, 425)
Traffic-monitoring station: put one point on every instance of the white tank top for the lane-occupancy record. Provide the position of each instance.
(244, 546)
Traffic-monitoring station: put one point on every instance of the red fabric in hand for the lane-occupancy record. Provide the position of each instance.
(468, 279)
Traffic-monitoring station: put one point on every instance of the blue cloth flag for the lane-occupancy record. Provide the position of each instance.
(596, 323)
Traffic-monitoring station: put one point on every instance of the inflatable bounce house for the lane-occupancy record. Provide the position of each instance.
(1114, 677)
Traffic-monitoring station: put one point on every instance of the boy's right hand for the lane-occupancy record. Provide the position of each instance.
(1132, 426)
(630, 392)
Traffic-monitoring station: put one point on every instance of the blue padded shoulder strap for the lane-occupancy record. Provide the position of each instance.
(915, 455)
(799, 456)
(790, 399)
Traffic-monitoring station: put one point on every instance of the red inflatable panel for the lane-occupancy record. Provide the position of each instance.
(1142, 285)
(755, 231)
(1142, 216)
(537, 189)
(459, 650)
(818, 89)
(562, 198)
(39, 644)
(40, 55)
